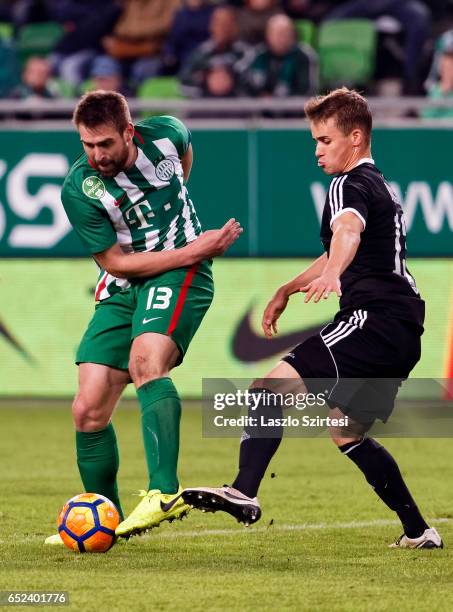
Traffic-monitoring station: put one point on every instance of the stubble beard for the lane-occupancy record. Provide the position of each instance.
(117, 166)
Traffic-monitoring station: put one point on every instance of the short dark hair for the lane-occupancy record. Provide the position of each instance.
(349, 108)
(101, 107)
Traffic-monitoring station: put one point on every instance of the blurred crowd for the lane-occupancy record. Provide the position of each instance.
(214, 49)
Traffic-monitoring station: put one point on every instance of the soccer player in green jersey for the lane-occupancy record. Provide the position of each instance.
(127, 200)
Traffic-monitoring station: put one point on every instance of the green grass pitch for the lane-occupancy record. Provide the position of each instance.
(320, 545)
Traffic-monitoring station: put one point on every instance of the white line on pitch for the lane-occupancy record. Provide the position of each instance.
(271, 528)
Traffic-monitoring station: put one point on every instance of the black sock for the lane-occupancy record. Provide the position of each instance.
(382, 473)
(257, 447)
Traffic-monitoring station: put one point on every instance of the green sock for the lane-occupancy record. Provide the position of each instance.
(161, 414)
(98, 461)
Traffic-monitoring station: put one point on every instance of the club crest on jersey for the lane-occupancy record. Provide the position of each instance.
(165, 170)
(93, 187)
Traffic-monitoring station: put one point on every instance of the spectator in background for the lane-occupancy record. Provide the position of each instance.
(281, 67)
(190, 28)
(414, 17)
(106, 74)
(139, 35)
(314, 10)
(222, 49)
(85, 23)
(253, 18)
(443, 43)
(36, 80)
(443, 88)
(6, 10)
(220, 82)
(29, 11)
(296, 9)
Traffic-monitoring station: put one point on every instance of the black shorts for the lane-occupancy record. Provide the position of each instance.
(360, 359)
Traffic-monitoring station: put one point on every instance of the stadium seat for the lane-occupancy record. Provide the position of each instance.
(347, 51)
(306, 32)
(159, 87)
(6, 30)
(63, 88)
(86, 86)
(38, 39)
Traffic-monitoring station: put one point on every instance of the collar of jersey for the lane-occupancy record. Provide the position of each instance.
(364, 160)
(138, 137)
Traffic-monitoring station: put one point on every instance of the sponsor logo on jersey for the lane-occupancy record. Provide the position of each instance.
(93, 187)
(165, 170)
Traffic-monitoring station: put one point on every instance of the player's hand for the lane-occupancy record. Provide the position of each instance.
(272, 313)
(213, 243)
(322, 287)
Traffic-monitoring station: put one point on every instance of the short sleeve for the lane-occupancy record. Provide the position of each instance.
(348, 196)
(90, 223)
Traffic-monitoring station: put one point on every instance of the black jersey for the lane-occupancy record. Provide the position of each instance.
(377, 279)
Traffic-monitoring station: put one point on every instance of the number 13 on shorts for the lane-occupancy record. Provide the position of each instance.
(159, 297)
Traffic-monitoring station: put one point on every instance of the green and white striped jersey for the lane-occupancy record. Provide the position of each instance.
(144, 208)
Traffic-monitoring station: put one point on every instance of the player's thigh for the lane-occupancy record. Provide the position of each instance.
(107, 339)
(283, 378)
(152, 356)
(99, 390)
(173, 305)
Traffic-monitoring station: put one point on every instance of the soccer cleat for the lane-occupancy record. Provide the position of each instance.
(54, 540)
(429, 539)
(154, 508)
(245, 509)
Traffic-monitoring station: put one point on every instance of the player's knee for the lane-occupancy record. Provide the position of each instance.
(145, 368)
(87, 416)
(340, 440)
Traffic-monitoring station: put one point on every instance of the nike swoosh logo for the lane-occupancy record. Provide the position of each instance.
(239, 500)
(120, 199)
(152, 319)
(249, 347)
(168, 506)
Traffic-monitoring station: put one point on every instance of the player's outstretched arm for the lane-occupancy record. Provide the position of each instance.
(210, 244)
(279, 301)
(343, 247)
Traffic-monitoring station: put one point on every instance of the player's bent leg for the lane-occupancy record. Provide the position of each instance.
(100, 388)
(259, 445)
(382, 473)
(152, 357)
(257, 448)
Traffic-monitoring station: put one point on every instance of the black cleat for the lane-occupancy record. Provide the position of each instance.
(208, 499)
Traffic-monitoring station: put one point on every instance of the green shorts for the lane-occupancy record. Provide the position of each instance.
(173, 304)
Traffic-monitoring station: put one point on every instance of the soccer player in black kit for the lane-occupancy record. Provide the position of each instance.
(373, 342)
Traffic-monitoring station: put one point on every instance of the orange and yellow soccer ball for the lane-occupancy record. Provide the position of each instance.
(87, 523)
